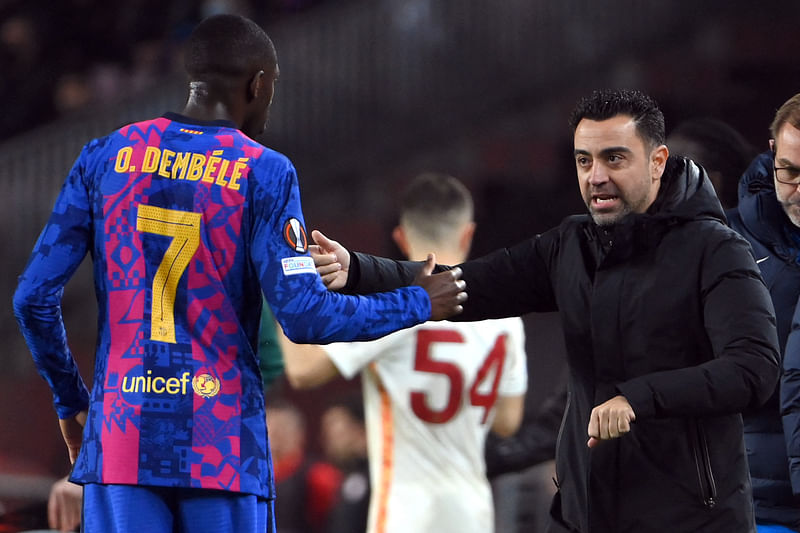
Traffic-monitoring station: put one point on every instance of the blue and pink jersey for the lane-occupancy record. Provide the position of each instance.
(187, 223)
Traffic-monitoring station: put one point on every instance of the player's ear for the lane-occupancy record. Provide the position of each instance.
(400, 239)
(256, 85)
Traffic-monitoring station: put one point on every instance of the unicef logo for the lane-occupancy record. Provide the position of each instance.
(205, 385)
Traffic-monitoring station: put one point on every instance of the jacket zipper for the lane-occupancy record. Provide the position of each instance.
(557, 479)
(708, 487)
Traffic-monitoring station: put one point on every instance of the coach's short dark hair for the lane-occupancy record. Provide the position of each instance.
(227, 46)
(607, 103)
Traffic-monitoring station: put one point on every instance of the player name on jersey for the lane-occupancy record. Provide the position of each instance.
(190, 166)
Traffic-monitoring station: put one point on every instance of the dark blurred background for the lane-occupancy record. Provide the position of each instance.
(371, 92)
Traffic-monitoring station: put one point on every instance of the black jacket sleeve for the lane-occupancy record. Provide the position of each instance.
(739, 319)
(507, 282)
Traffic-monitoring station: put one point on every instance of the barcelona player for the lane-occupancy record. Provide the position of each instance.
(188, 222)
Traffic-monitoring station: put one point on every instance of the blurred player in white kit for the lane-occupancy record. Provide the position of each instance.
(431, 392)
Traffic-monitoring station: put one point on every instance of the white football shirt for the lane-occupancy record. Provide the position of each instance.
(429, 394)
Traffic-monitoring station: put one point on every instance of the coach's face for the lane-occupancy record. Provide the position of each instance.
(787, 164)
(618, 172)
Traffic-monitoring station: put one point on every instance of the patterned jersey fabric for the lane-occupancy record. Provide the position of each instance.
(187, 223)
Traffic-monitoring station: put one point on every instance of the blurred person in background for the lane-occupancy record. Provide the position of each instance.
(173, 435)
(433, 392)
(305, 486)
(270, 359)
(768, 216)
(64, 505)
(28, 76)
(522, 466)
(715, 145)
(343, 437)
(669, 328)
(759, 216)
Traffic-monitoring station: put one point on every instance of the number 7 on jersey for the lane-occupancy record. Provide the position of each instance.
(184, 228)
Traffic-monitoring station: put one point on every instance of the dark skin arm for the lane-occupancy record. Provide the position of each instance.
(445, 289)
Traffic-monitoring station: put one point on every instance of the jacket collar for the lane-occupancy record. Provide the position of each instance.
(685, 194)
(760, 211)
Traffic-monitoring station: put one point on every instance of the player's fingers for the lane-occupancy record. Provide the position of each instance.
(592, 442)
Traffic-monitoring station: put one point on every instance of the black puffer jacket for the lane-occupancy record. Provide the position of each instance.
(760, 219)
(668, 309)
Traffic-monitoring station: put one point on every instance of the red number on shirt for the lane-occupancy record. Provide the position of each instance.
(423, 362)
(495, 360)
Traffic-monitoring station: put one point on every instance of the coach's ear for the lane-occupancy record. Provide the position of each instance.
(400, 239)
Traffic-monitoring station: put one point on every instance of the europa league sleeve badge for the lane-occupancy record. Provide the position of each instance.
(295, 235)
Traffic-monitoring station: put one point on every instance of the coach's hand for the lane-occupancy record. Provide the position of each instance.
(610, 420)
(445, 289)
(331, 259)
(72, 431)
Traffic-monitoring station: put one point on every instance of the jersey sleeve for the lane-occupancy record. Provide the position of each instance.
(515, 375)
(58, 252)
(350, 358)
(306, 310)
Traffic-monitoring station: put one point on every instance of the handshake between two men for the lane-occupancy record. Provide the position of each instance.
(446, 290)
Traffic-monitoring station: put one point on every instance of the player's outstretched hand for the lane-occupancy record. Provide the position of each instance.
(610, 420)
(331, 259)
(445, 289)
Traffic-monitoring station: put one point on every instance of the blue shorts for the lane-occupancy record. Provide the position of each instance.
(130, 508)
(773, 528)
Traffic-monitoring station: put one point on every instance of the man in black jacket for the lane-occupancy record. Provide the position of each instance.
(669, 329)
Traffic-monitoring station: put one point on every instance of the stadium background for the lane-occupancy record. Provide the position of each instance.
(371, 92)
